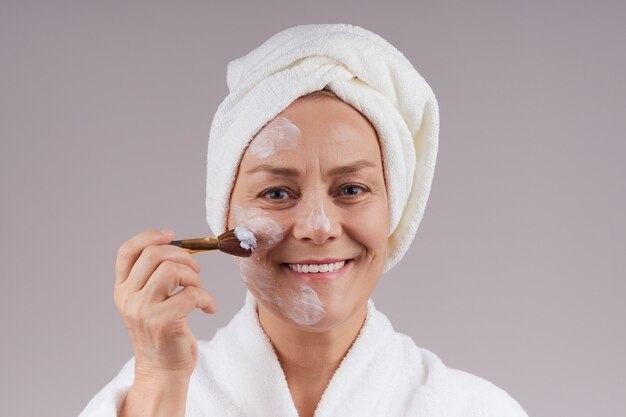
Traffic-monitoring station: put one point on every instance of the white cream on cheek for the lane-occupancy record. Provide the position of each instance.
(266, 229)
(279, 134)
(247, 239)
(295, 300)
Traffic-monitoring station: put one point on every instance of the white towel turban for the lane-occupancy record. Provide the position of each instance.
(362, 69)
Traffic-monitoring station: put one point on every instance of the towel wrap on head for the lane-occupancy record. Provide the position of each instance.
(363, 70)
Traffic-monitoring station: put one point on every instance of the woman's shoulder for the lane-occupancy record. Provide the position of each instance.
(460, 392)
(482, 397)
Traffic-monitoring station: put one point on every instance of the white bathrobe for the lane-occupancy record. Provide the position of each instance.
(383, 374)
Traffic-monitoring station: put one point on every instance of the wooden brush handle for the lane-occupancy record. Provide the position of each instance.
(201, 244)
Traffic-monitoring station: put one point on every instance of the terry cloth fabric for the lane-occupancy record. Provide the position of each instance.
(363, 70)
(383, 374)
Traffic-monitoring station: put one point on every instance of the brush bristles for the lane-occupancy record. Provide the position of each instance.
(229, 243)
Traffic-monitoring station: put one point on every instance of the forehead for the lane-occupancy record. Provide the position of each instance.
(318, 128)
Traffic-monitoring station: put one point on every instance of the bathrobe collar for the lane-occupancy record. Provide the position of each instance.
(251, 378)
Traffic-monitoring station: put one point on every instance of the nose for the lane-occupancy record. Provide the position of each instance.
(316, 220)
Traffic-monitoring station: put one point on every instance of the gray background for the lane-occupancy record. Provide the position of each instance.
(516, 274)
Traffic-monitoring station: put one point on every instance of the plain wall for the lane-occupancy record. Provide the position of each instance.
(517, 273)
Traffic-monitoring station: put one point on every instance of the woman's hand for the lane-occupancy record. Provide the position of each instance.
(147, 271)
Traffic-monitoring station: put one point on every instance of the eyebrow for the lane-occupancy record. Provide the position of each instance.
(292, 172)
(281, 172)
(350, 168)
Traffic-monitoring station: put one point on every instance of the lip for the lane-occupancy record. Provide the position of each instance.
(319, 276)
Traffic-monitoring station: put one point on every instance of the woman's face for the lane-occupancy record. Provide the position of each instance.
(311, 187)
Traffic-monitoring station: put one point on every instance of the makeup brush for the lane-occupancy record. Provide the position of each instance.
(239, 241)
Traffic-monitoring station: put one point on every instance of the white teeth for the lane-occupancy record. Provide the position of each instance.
(314, 268)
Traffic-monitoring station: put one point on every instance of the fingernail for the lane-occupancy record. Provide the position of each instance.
(168, 233)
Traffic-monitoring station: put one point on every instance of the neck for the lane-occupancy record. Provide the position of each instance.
(310, 357)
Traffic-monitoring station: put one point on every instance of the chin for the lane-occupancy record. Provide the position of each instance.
(337, 312)
(342, 311)
(330, 321)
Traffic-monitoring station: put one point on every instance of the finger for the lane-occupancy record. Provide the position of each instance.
(129, 251)
(184, 301)
(167, 277)
(150, 259)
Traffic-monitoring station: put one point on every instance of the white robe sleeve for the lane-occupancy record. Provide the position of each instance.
(108, 401)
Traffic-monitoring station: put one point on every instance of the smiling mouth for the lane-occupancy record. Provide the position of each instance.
(311, 268)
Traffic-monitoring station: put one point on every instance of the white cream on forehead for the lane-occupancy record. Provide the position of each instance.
(279, 134)
(299, 302)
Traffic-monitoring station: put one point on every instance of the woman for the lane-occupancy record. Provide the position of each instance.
(333, 184)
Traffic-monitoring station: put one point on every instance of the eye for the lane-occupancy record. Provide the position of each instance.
(275, 194)
(351, 190)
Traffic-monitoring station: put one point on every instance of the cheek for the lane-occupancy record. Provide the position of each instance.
(369, 226)
(299, 304)
(257, 276)
(267, 230)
